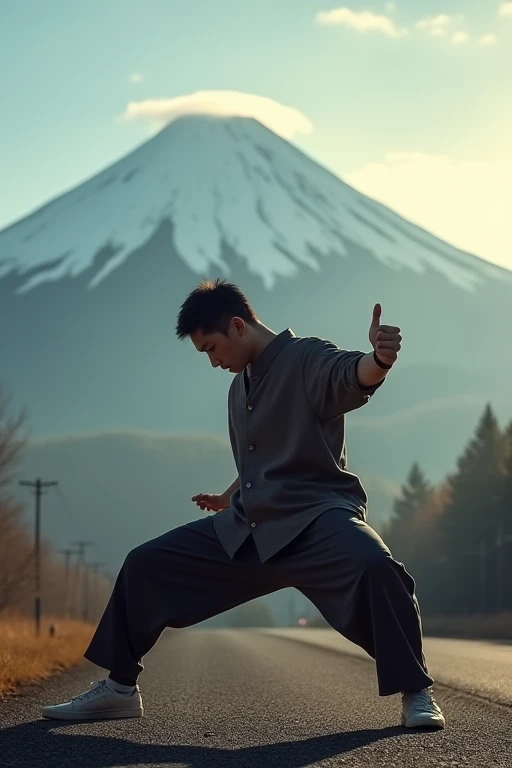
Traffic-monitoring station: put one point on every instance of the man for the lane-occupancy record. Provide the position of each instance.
(294, 517)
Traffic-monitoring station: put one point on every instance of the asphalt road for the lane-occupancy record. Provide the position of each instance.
(251, 699)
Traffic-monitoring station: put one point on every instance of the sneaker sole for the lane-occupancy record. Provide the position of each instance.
(421, 722)
(110, 715)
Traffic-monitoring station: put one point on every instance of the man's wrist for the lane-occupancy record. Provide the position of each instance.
(368, 373)
(381, 364)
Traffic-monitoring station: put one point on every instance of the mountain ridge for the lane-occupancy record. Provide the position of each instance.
(235, 182)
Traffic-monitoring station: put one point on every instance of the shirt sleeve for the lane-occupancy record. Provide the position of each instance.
(330, 379)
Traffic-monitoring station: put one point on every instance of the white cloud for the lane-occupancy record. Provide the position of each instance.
(283, 120)
(435, 23)
(488, 39)
(439, 26)
(505, 9)
(466, 203)
(361, 21)
(136, 77)
(460, 37)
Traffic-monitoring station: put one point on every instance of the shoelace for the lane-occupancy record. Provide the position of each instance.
(98, 688)
(421, 700)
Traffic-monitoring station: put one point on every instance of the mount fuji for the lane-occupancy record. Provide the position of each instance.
(91, 283)
(220, 183)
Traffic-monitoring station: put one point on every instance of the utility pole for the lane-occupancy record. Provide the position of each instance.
(83, 570)
(95, 567)
(67, 555)
(38, 485)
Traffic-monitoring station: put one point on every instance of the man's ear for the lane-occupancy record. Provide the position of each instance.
(239, 325)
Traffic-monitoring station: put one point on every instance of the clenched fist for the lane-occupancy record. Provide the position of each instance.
(213, 502)
(385, 339)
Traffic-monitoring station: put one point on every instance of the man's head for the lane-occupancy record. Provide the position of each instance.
(220, 321)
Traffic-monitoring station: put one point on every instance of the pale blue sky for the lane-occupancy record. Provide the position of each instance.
(66, 69)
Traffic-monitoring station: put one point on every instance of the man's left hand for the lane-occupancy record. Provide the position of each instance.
(385, 339)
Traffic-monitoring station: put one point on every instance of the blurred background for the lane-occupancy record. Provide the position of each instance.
(322, 157)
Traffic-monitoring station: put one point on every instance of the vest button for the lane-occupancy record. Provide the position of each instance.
(249, 407)
(251, 447)
(248, 485)
(253, 525)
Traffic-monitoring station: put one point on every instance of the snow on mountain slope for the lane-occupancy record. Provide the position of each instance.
(222, 181)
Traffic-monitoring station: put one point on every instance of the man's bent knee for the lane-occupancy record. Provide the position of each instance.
(375, 561)
(138, 556)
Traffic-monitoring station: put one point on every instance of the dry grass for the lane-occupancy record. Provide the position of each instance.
(25, 658)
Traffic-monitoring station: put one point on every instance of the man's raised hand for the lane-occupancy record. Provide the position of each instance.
(385, 339)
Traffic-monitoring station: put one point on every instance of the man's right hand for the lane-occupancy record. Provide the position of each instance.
(213, 502)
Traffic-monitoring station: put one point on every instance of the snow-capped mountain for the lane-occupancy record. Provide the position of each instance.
(221, 182)
(91, 283)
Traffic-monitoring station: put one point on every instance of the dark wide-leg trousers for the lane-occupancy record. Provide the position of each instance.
(338, 562)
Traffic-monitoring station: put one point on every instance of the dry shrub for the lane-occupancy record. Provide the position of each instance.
(26, 658)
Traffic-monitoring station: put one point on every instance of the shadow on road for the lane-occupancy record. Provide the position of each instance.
(36, 743)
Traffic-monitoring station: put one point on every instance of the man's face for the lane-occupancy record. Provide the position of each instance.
(229, 352)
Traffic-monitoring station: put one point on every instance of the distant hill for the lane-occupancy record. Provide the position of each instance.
(120, 489)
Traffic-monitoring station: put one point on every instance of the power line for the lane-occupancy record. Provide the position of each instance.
(67, 559)
(84, 574)
(38, 492)
(82, 578)
(77, 524)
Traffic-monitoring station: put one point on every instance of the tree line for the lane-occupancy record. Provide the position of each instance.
(455, 537)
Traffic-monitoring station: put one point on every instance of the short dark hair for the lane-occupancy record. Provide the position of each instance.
(210, 308)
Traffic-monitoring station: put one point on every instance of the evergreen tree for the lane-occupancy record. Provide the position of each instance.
(476, 487)
(473, 516)
(428, 566)
(506, 496)
(414, 494)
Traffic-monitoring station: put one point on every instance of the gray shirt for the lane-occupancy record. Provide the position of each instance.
(287, 432)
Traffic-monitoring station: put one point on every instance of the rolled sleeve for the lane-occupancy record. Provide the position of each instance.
(330, 379)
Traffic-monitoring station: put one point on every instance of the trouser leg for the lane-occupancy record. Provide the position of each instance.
(342, 565)
(176, 580)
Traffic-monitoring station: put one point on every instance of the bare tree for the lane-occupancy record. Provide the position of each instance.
(16, 557)
(16, 566)
(11, 443)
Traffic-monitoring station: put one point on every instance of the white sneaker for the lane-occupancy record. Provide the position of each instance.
(98, 703)
(420, 710)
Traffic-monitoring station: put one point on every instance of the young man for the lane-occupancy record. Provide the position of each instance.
(294, 517)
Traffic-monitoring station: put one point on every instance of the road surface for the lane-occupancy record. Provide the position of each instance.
(272, 699)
